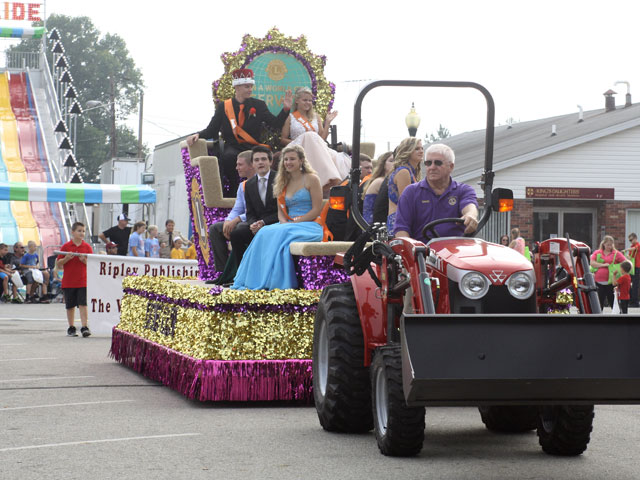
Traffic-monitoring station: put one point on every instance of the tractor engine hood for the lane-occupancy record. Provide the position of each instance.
(495, 261)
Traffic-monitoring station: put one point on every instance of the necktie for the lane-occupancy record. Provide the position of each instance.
(170, 239)
(241, 115)
(262, 190)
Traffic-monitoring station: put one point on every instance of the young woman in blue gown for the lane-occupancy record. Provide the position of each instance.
(267, 264)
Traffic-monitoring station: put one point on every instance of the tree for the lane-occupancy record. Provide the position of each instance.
(441, 134)
(95, 62)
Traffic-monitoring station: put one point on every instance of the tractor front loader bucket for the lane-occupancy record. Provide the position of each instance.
(530, 359)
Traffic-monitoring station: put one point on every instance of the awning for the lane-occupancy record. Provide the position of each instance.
(76, 192)
(21, 32)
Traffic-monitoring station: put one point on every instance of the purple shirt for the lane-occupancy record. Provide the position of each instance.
(419, 205)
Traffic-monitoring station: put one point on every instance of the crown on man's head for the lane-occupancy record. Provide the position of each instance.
(242, 76)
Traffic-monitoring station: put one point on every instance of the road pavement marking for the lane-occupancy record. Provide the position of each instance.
(53, 405)
(26, 359)
(106, 440)
(35, 319)
(44, 378)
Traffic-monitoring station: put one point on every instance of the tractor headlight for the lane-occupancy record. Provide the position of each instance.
(474, 285)
(521, 285)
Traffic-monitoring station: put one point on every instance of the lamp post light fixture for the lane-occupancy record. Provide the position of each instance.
(412, 120)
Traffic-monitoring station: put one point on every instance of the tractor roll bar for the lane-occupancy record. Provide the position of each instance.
(487, 176)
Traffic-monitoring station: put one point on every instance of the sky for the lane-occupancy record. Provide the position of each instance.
(538, 59)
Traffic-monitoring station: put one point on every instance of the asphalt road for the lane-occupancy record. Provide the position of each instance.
(68, 411)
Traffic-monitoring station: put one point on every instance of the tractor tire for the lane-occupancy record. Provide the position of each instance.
(399, 429)
(341, 388)
(565, 429)
(509, 419)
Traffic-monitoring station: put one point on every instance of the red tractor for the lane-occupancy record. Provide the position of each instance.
(462, 321)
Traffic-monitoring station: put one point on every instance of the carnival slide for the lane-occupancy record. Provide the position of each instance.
(24, 160)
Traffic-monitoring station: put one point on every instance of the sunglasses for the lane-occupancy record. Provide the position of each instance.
(437, 163)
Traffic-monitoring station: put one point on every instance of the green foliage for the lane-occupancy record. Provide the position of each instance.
(96, 62)
(441, 134)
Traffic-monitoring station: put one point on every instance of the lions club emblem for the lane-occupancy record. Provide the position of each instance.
(452, 201)
(276, 70)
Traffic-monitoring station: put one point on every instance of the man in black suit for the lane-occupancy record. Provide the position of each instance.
(262, 207)
(240, 119)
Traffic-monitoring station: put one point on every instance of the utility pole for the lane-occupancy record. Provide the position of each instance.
(140, 124)
(114, 148)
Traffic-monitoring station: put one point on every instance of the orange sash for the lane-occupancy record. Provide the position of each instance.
(305, 123)
(327, 236)
(238, 131)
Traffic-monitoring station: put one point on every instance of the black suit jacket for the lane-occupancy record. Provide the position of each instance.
(255, 209)
(252, 125)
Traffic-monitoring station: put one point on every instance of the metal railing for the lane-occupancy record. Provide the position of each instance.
(22, 60)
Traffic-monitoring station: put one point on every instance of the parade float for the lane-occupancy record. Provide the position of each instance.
(217, 344)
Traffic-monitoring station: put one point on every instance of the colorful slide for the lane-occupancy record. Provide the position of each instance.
(24, 160)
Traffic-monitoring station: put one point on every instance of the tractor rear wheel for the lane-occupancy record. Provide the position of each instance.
(399, 429)
(341, 387)
(565, 429)
(509, 419)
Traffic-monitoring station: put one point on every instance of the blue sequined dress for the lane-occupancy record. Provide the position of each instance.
(267, 264)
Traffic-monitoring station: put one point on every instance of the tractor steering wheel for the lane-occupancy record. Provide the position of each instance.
(429, 227)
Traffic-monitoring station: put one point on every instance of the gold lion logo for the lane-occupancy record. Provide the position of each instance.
(276, 70)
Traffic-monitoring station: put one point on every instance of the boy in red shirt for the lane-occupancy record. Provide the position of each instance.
(74, 280)
(623, 283)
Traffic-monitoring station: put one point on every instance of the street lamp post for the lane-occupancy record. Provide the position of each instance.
(412, 120)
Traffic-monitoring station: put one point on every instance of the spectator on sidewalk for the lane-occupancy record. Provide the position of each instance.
(151, 244)
(112, 248)
(118, 234)
(176, 251)
(517, 242)
(74, 280)
(5, 274)
(167, 239)
(634, 255)
(136, 240)
(622, 281)
(34, 275)
(191, 251)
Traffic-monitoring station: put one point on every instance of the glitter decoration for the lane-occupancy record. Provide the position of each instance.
(315, 273)
(230, 325)
(214, 380)
(562, 304)
(276, 42)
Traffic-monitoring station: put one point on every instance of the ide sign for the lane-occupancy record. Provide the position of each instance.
(20, 11)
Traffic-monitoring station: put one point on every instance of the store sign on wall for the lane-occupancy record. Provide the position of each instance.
(570, 193)
(20, 11)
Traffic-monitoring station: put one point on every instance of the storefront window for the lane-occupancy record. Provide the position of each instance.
(556, 222)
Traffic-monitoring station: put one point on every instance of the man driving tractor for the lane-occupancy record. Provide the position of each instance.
(437, 196)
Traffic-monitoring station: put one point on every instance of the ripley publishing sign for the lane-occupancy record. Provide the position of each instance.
(20, 11)
(570, 193)
(104, 283)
